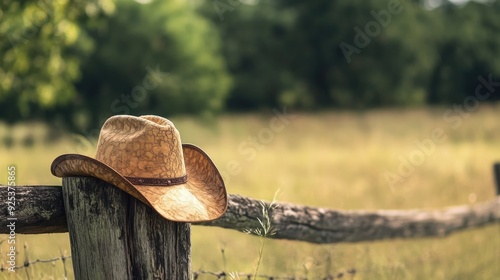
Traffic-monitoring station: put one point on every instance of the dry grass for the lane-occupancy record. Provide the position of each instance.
(335, 160)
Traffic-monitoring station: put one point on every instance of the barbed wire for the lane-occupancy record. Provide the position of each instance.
(27, 263)
(248, 276)
(216, 275)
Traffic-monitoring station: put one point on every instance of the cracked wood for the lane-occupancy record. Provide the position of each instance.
(40, 210)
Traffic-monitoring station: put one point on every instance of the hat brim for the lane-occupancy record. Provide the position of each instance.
(202, 198)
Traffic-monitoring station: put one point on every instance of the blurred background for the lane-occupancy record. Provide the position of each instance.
(72, 62)
(364, 81)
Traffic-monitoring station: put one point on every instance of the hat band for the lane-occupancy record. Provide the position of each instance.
(157, 181)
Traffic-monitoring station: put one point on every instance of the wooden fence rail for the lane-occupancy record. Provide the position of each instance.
(114, 236)
(40, 209)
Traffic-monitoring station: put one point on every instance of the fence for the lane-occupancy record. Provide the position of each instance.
(348, 274)
(97, 214)
(28, 263)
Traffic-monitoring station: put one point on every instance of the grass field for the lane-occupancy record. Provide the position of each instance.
(329, 159)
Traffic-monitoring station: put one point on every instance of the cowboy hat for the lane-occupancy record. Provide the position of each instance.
(144, 157)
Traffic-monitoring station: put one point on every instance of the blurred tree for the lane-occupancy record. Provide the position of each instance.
(359, 54)
(255, 49)
(465, 51)
(324, 53)
(42, 46)
(80, 62)
(154, 58)
(354, 54)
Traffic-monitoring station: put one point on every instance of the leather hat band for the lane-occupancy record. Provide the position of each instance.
(157, 181)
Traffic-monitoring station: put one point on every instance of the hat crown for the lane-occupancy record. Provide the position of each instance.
(146, 147)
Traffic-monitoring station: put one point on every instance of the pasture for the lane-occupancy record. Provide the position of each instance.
(324, 159)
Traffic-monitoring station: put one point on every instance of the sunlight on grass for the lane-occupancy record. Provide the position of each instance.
(328, 159)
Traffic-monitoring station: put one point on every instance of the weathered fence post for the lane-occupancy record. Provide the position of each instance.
(496, 171)
(115, 236)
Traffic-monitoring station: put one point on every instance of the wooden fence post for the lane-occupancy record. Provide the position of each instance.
(115, 236)
(496, 171)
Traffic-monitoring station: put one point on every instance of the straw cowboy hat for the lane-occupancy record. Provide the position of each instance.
(144, 157)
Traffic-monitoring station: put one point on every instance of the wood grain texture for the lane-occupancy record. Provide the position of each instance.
(496, 173)
(295, 222)
(38, 209)
(321, 225)
(115, 236)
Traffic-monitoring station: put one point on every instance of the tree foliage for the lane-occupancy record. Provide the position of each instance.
(160, 58)
(356, 54)
(42, 47)
(465, 51)
(83, 61)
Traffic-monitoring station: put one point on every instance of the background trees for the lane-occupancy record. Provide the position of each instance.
(82, 61)
(160, 58)
(42, 46)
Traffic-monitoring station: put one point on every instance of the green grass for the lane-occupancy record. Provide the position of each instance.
(328, 159)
